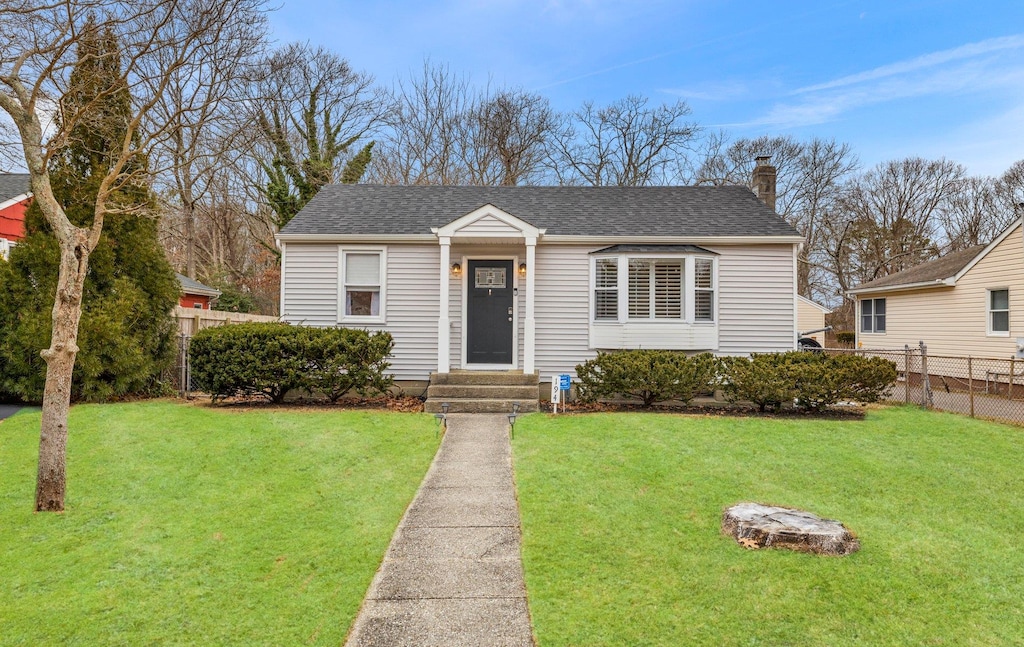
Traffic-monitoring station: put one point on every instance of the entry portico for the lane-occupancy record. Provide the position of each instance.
(495, 255)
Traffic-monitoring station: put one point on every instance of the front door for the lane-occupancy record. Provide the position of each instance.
(489, 312)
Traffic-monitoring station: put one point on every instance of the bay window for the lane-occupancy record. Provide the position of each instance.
(654, 286)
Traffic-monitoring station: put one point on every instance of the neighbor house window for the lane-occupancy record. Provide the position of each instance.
(651, 288)
(361, 284)
(872, 315)
(999, 312)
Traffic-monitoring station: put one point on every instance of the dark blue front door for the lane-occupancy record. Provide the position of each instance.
(489, 312)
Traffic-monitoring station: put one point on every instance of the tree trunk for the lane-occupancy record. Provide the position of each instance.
(60, 363)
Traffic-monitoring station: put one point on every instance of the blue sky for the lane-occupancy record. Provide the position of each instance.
(892, 78)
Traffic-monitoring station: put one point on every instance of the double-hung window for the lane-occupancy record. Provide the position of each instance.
(872, 315)
(361, 291)
(999, 312)
(606, 289)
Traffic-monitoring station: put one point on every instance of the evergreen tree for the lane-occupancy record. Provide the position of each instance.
(125, 335)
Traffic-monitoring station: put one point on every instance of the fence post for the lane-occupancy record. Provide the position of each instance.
(970, 383)
(926, 385)
(1010, 387)
(906, 371)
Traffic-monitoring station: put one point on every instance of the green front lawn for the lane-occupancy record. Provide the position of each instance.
(190, 525)
(622, 546)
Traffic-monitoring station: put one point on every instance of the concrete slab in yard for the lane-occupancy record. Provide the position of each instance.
(500, 622)
(441, 507)
(481, 453)
(406, 579)
(449, 543)
(469, 474)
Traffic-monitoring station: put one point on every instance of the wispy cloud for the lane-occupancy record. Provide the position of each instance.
(717, 91)
(973, 68)
(969, 51)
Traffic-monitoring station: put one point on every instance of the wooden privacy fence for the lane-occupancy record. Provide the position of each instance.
(192, 320)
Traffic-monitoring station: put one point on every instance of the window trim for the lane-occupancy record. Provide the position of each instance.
(688, 288)
(343, 250)
(989, 331)
(874, 316)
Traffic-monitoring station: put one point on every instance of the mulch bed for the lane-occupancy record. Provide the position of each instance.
(411, 404)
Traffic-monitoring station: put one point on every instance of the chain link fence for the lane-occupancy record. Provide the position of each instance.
(980, 387)
(179, 377)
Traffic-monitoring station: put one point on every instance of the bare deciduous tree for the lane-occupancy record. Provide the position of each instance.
(158, 39)
(627, 143)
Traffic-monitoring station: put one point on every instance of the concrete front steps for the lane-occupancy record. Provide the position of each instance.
(483, 392)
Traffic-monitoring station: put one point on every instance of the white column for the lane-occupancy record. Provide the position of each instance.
(530, 333)
(443, 324)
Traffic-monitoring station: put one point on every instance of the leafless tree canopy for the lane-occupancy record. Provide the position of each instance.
(626, 143)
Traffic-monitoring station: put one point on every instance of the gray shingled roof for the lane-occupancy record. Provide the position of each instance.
(932, 271)
(13, 185)
(191, 286)
(581, 211)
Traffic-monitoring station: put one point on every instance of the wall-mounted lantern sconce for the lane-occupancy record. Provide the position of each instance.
(456, 269)
(522, 269)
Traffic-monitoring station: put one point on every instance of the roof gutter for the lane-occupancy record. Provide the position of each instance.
(549, 238)
(18, 199)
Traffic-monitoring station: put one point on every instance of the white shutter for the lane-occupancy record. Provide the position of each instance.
(639, 289)
(668, 289)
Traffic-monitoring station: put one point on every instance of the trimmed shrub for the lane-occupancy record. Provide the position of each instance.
(813, 381)
(766, 379)
(270, 359)
(846, 338)
(251, 359)
(647, 375)
(344, 359)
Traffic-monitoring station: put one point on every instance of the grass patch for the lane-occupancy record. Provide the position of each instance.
(191, 525)
(621, 516)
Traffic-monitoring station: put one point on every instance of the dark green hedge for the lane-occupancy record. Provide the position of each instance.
(647, 375)
(810, 380)
(270, 359)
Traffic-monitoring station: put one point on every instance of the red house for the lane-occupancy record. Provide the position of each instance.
(15, 196)
(196, 295)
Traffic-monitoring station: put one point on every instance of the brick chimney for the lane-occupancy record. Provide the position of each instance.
(764, 180)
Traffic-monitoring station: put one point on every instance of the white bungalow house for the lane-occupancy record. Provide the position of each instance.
(538, 279)
(970, 302)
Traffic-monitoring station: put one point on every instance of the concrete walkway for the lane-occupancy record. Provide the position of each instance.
(8, 410)
(453, 576)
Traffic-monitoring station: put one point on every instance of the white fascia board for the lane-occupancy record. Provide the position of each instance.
(673, 240)
(524, 228)
(355, 238)
(15, 200)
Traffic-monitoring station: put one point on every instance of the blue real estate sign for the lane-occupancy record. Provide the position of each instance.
(563, 382)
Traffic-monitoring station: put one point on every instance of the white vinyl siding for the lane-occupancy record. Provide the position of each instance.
(756, 301)
(413, 308)
(310, 291)
(562, 308)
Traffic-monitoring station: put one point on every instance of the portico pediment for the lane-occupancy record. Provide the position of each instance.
(489, 221)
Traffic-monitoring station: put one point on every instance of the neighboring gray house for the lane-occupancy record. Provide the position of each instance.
(541, 278)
